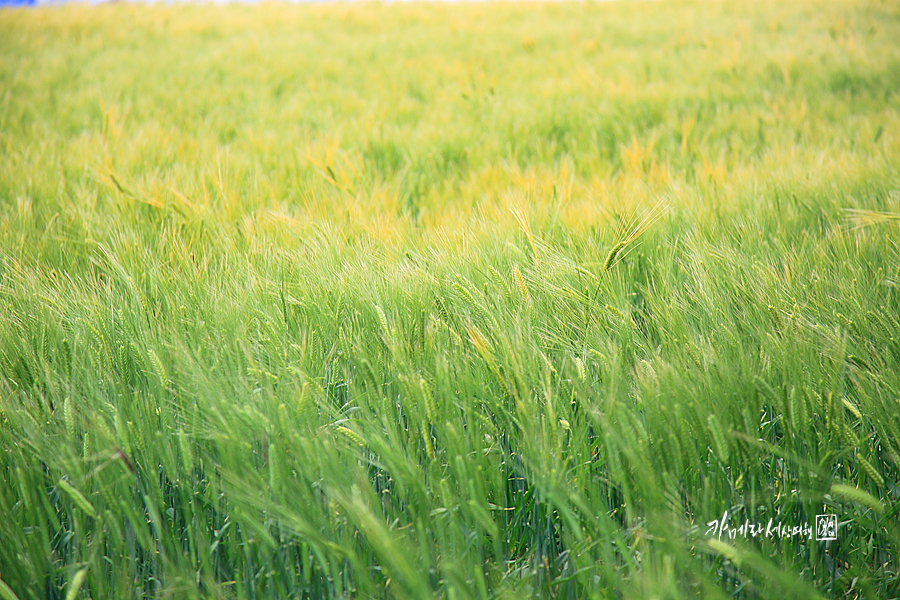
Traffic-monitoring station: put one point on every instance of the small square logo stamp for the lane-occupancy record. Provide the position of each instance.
(826, 527)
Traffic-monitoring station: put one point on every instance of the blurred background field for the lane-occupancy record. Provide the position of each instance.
(466, 300)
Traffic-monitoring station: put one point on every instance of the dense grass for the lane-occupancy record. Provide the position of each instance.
(457, 300)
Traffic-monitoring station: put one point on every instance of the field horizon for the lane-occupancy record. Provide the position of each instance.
(459, 300)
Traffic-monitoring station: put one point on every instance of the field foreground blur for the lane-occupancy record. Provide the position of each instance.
(462, 300)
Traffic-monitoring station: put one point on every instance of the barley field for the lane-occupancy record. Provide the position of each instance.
(459, 300)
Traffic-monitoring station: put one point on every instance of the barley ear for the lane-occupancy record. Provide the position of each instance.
(720, 442)
(382, 320)
(499, 281)
(274, 469)
(611, 257)
(69, 418)
(75, 584)
(77, 498)
(870, 470)
(579, 366)
(520, 282)
(430, 410)
(857, 495)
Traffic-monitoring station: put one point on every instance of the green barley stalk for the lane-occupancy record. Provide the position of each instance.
(579, 367)
(382, 320)
(520, 283)
(611, 257)
(852, 408)
(69, 418)
(351, 435)
(88, 443)
(158, 368)
(430, 410)
(499, 281)
(720, 441)
(122, 433)
(483, 347)
(137, 437)
(23, 488)
(77, 497)
(870, 470)
(798, 410)
(473, 304)
(857, 495)
(75, 584)
(429, 445)
(275, 479)
(849, 435)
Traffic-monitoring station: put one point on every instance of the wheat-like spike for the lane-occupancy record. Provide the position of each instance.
(857, 495)
(122, 363)
(429, 445)
(75, 584)
(470, 300)
(158, 367)
(799, 411)
(520, 282)
(77, 498)
(719, 440)
(611, 257)
(849, 435)
(430, 410)
(852, 408)
(613, 456)
(274, 469)
(763, 386)
(283, 417)
(481, 345)
(105, 433)
(344, 341)
(352, 435)
(88, 444)
(795, 409)
(726, 550)
(828, 405)
(122, 433)
(97, 335)
(499, 281)
(749, 424)
(693, 353)
(69, 418)
(137, 437)
(137, 356)
(99, 350)
(806, 405)
(579, 366)
(382, 319)
(870, 470)
(892, 454)
(23, 489)
(457, 340)
(678, 452)
(442, 310)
